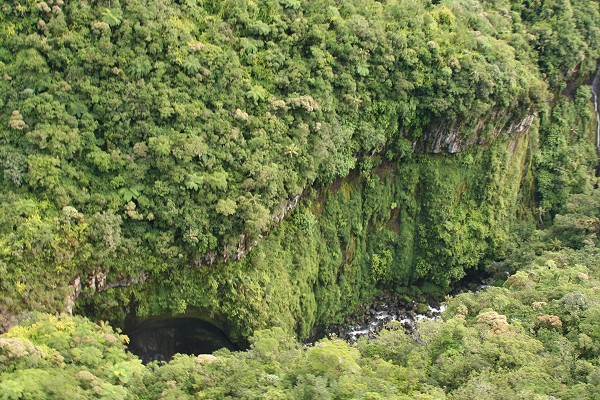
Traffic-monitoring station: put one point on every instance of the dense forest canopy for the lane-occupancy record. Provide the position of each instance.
(196, 122)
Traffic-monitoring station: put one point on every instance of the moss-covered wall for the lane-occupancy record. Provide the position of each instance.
(422, 220)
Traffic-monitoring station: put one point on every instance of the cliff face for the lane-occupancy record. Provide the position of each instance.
(421, 220)
(416, 222)
(424, 220)
(450, 138)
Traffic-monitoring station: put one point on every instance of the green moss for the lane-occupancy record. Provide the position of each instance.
(450, 213)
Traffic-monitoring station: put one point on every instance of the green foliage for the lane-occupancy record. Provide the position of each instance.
(49, 357)
(567, 158)
(344, 244)
(536, 336)
(561, 52)
(111, 88)
(226, 207)
(151, 141)
(381, 265)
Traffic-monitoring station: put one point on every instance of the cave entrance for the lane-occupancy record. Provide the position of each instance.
(158, 339)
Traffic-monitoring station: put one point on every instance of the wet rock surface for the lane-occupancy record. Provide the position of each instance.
(369, 319)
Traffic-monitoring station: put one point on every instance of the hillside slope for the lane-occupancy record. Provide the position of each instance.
(143, 139)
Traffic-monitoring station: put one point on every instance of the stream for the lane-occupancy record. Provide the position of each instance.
(160, 338)
(371, 319)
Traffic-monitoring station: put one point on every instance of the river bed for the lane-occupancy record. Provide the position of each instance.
(370, 319)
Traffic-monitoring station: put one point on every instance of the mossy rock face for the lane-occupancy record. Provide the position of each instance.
(315, 267)
(422, 308)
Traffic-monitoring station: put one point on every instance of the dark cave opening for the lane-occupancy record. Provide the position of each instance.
(160, 338)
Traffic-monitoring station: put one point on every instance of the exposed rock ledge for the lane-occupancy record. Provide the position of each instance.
(451, 138)
(243, 246)
(97, 281)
